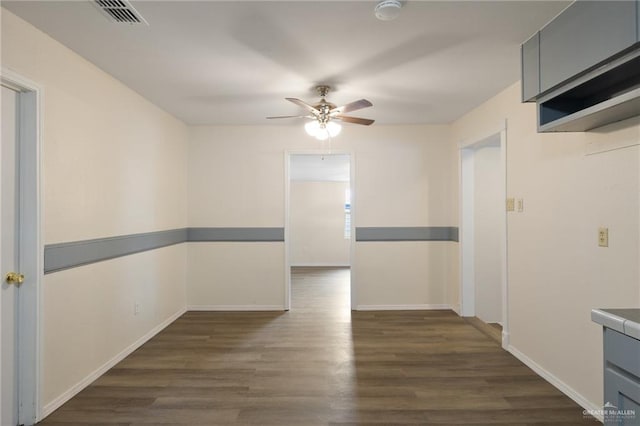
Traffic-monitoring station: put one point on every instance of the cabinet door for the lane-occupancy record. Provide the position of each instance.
(622, 350)
(530, 54)
(585, 34)
(622, 399)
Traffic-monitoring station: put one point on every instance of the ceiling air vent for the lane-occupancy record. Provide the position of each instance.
(120, 12)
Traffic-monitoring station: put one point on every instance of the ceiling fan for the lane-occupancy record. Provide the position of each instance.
(324, 115)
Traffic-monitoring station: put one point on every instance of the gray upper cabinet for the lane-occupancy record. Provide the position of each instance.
(582, 36)
(583, 68)
(531, 68)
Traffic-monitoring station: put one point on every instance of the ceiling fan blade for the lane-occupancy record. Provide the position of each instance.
(355, 120)
(352, 106)
(291, 116)
(304, 105)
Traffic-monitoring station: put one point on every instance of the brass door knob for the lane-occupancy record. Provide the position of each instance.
(14, 278)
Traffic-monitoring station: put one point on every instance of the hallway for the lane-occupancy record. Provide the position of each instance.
(319, 364)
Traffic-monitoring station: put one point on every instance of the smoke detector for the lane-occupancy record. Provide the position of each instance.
(388, 10)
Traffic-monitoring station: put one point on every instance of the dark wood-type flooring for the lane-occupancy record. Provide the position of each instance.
(320, 364)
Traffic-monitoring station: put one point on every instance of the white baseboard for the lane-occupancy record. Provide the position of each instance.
(75, 389)
(562, 386)
(505, 340)
(401, 307)
(320, 265)
(456, 309)
(242, 308)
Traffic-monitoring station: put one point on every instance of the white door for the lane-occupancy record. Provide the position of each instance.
(9, 261)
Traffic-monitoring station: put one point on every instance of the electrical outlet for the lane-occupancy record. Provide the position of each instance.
(603, 237)
(136, 308)
(520, 205)
(511, 204)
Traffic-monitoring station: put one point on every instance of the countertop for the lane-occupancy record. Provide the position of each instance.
(625, 321)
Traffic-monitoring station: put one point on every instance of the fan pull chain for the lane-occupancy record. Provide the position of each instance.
(326, 145)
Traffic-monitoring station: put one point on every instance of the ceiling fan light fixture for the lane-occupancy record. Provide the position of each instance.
(322, 135)
(333, 129)
(326, 117)
(322, 131)
(388, 10)
(312, 127)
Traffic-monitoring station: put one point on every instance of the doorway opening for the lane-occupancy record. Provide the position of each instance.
(483, 234)
(21, 252)
(319, 231)
(321, 291)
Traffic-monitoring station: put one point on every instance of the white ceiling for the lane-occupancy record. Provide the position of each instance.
(233, 62)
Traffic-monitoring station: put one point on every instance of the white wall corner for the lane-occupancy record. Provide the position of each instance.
(497, 127)
(505, 339)
(456, 308)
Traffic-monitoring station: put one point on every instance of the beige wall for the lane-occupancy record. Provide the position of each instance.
(571, 183)
(236, 276)
(402, 178)
(113, 164)
(402, 275)
(317, 220)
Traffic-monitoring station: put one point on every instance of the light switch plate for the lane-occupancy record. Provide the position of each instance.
(603, 237)
(520, 205)
(511, 204)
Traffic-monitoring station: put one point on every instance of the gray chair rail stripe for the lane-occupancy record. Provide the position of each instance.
(61, 256)
(58, 257)
(415, 233)
(235, 234)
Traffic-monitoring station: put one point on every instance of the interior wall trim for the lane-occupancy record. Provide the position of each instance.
(415, 307)
(563, 387)
(235, 234)
(411, 233)
(234, 308)
(61, 256)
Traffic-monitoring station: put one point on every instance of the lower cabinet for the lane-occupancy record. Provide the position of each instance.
(621, 379)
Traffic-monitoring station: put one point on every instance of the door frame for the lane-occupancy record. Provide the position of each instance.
(467, 226)
(287, 224)
(29, 338)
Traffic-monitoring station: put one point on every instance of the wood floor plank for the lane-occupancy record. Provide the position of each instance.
(320, 364)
